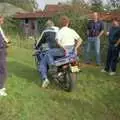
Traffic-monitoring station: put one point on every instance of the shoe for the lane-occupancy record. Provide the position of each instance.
(2, 92)
(45, 83)
(112, 73)
(103, 71)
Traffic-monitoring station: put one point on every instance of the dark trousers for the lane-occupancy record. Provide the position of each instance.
(3, 69)
(112, 58)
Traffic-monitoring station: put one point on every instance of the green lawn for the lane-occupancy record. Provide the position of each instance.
(96, 97)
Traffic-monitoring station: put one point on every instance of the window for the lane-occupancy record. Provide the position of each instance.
(26, 21)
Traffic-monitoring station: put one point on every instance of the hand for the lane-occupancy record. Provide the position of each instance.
(76, 51)
(98, 37)
(115, 45)
(65, 51)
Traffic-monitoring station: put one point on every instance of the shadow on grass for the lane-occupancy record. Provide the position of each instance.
(23, 71)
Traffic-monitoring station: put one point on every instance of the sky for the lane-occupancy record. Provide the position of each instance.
(42, 3)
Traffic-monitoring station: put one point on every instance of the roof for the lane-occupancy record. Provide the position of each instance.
(31, 15)
(7, 9)
(56, 8)
(50, 11)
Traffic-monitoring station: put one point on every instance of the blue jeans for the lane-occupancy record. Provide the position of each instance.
(3, 69)
(43, 68)
(54, 53)
(112, 58)
(48, 59)
(58, 52)
(95, 43)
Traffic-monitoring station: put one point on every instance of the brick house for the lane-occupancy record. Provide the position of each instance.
(29, 20)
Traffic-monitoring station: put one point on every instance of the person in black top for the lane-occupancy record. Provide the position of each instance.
(48, 35)
(113, 49)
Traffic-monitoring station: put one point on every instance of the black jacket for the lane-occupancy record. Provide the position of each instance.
(48, 36)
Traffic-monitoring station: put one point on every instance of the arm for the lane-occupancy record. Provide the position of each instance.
(88, 27)
(117, 43)
(101, 33)
(78, 40)
(78, 44)
(87, 32)
(101, 29)
(59, 44)
(41, 40)
(3, 35)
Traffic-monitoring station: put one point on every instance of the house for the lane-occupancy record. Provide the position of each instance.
(29, 21)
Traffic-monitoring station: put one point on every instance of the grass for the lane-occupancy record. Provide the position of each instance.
(96, 97)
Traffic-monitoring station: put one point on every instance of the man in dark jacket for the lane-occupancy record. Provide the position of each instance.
(3, 71)
(114, 48)
(47, 39)
(66, 39)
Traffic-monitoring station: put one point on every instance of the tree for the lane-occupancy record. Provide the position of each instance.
(115, 3)
(97, 5)
(78, 2)
(28, 5)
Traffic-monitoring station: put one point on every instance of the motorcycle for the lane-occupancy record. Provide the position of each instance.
(67, 69)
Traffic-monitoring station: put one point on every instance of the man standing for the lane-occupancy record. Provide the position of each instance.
(113, 49)
(95, 30)
(3, 71)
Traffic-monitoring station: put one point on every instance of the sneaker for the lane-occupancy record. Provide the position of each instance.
(103, 71)
(45, 83)
(2, 92)
(3, 89)
(112, 73)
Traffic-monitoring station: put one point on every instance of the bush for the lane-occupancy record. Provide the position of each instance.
(78, 22)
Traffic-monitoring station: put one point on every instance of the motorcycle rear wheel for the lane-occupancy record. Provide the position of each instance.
(69, 81)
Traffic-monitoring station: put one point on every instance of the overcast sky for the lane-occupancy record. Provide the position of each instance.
(51, 1)
(42, 3)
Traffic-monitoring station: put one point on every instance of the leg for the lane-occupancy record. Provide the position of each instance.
(88, 50)
(52, 53)
(115, 54)
(3, 70)
(108, 61)
(43, 68)
(97, 50)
